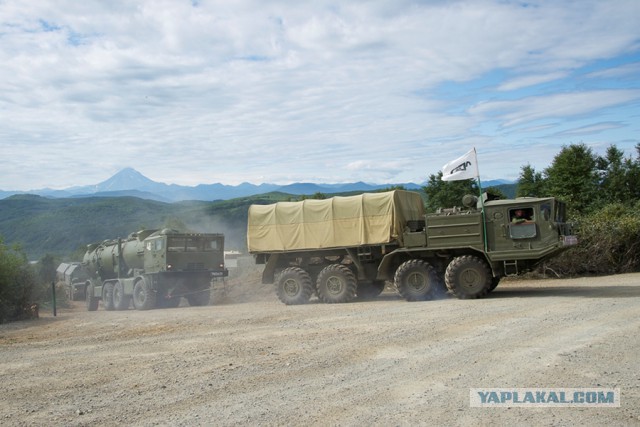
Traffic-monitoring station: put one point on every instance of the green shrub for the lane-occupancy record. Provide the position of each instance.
(17, 284)
(609, 243)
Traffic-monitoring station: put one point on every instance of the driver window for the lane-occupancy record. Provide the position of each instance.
(521, 215)
(522, 223)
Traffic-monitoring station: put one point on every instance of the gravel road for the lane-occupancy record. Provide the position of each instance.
(249, 360)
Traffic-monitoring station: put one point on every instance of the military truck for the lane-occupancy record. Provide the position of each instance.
(153, 268)
(347, 247)
(73, 277)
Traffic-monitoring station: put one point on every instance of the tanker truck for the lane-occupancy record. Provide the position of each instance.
(346, 247)
(153, 268)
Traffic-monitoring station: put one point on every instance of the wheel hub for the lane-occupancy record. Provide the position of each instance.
(416, 281)
(291, 287)
(334, 285)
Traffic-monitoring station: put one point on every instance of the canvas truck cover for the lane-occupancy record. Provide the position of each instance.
(367, 219)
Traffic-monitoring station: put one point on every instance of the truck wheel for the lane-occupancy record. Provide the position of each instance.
(369, 289)
(92, 302)
(144, 298)
(494, 283)
(336, 283)
(169, 302)
(199, 298)
(120, 300)
(468, 277)
(107, 296)
(416, 280)
(294, 286)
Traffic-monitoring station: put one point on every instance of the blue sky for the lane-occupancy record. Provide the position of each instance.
(192, 92)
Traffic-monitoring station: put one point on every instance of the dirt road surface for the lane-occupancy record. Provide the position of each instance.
(250, 360)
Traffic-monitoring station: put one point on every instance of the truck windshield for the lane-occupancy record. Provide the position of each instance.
(191, 244)
(184, 244)
(211, 245)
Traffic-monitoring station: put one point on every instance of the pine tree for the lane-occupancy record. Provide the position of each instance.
(573, 177)
(530, 183)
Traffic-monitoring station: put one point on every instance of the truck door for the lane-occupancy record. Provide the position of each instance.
(510, 229)
(154, 255)
(524, 231)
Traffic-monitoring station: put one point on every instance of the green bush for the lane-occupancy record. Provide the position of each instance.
(17, 284)
(609, 243)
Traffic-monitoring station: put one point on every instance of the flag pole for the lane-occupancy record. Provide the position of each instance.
(484, 219)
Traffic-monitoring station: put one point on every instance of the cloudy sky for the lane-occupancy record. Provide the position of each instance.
(205, 91)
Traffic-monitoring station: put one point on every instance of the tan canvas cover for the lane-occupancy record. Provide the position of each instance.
(367, 219)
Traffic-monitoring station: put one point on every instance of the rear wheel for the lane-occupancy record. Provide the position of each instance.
(169, 302)
(416, 280)
(107, 296)
(92, 302)
(144, 298)
(494, 283)
(294, 286)
(120, 300)
(336, 283)
(468, 277)
(199, 298)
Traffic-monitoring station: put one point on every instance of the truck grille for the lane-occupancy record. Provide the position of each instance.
(193, 266)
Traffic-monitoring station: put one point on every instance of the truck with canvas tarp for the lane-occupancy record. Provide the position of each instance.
(346, 247)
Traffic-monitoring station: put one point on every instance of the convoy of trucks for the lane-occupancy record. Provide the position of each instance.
(151, 268)
(339, 249)
(346, 247)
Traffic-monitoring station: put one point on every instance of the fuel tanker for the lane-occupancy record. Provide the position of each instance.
(153, 268)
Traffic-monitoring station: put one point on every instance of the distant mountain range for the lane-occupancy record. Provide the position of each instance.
(130, 182)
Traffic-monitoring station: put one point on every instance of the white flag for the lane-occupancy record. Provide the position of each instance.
(465, 167)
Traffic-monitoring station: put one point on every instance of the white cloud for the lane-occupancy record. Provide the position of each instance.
(530, 80)
(284, 91)
(555, 106)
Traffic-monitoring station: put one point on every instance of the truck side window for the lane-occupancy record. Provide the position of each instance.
(522, 225)
(545, 211)
(520, 215)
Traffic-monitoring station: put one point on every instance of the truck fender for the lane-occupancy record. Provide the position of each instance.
(386, 268)
(268, 274)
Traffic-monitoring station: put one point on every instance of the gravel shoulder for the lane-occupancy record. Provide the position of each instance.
(248, 359)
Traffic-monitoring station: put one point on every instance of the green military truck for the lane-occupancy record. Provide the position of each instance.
(153, 268)
(73, 276)
(347, 247)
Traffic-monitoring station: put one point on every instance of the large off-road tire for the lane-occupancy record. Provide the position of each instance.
(92, 302)
(199, 298)
(336, 283)
(417, 280)
(369, 289)
(294, 286)
(468, 277)
(170, 302)
(107, 296)
(120, 300)
(144, 298)
(494, 283)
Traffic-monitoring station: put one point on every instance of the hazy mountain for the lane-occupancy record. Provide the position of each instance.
(130, 182)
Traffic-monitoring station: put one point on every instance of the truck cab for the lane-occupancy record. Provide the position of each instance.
(523, 230)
